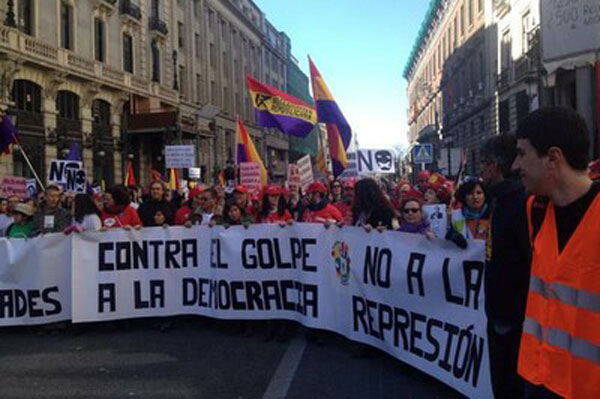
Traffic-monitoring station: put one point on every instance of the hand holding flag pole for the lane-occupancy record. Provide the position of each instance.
(9, 135)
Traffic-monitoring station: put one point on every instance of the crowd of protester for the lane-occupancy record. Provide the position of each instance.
(491, 207)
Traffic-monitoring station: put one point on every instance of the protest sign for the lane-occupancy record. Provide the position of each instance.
(250, 176)
(420, 301)
(293, 178)
(13, 185)
(306, 172)
(194, 173)
(438, 220)
(375, 161)
(70, 175)
(180, 156)
(35, 280)
(31, 188)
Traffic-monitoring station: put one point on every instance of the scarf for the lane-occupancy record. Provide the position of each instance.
(473, 214)
(318, 206)
(414, 227)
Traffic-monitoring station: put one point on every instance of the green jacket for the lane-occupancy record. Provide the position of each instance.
(20, 230)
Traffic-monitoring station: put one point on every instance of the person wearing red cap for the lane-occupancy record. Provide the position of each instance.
(319, 210)
(274, 207)
(241, 198)
(184, 211)
(344, 205)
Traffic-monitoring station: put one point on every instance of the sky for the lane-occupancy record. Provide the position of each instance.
(360, 47)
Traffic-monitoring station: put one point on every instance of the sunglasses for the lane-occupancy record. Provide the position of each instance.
(411, 210)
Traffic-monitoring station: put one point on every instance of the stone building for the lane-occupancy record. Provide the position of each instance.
(451, 78)
(123, 78)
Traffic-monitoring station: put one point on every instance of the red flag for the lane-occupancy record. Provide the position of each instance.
(129, 176)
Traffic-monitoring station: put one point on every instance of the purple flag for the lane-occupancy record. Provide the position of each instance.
(8, 134)
(74, 153)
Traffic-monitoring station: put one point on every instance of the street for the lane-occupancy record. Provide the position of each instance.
(197, 358)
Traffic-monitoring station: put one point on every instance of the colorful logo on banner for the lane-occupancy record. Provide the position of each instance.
(341, 256)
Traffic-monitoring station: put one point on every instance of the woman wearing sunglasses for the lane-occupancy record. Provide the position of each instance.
(413, 219)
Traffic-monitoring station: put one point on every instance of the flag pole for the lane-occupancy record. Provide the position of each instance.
(16, 139)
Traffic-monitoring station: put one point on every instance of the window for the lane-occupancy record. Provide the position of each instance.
(197, 45)
(213, 93)
(67, 104)
(183, 89)
(470, 11)
(26, 17)
(462, 20)
(180, 34)
(27, 96)
(504, 116)
(155, 9)
(155, 61)
(212, 55)
(526, 25)
(226, 99)
(211, 20)
(127, 53)
(455, 43)
(198, 88)
(506, 50)
(225, 64)
(99, 40)
(66, 25)
(522, 105)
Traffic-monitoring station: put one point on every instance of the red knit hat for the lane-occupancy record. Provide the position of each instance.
(272, 189)
(316, 187)
(194, 192)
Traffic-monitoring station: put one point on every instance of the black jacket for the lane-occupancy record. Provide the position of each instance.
(508, 264)
(383, 216)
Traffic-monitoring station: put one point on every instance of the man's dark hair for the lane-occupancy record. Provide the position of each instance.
(120, 195)
(85, 205)
(501, 150)
(558, 127)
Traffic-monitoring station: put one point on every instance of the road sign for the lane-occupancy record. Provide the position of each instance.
(422, 153)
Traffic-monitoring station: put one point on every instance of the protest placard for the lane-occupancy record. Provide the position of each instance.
(70, 175)
(375, 161)
(250, 176)
(180, 156)
(306, 172)
(13, 185)
(438, 220)
(293, 178)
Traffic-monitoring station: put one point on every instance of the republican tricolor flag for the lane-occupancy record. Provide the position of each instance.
(276, 109)
(246, 151)
(339, 132)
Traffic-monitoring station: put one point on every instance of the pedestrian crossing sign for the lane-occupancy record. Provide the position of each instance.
(423, 153)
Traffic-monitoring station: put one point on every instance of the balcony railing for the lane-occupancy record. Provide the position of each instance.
(68, 127)
(131, 9)
(101, 131)
(28, 119)
(504, 79)
(156, 24)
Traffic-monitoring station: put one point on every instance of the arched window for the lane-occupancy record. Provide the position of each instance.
(27, 96)
(67, 105)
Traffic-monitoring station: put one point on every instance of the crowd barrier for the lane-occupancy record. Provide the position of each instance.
(421, 301)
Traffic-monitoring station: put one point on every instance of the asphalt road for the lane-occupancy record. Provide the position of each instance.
(197, 358)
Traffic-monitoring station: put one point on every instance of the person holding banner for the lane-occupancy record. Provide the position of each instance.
(155, 203)
(240, 194)
(86, 215)
(472, 221)
(51, 217)
(413, 220)
(371, 207)
(274, 206)
(319, 210)
(186, 209)
(344, 205)
(234, 215)
(204, 213)
(117, 210)
(23, 226)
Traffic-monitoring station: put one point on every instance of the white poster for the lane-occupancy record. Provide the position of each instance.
(420, 301)
(306, 171)
(180, 156)
(375, 161)
(250, 176)
(438, 219)
(35, 280)
(70, 175)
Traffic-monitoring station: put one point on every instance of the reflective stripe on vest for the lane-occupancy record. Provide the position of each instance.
(563, 293)
(576, 346)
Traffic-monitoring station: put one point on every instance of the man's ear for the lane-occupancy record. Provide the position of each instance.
(555, 157)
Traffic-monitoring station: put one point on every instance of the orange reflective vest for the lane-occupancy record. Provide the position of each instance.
(560, 345)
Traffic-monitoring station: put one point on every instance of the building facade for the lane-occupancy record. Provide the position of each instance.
(451, 78)
(478, 67)
(124, 78)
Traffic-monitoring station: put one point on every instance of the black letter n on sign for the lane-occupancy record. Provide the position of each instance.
(417, 260)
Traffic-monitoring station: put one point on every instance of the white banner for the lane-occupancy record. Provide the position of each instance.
(180, 156)
(420, 301)
(35, 289)
(375, 161)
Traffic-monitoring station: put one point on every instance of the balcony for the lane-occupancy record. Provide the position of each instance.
(128, 8)
(158, 25)
(28, 120)
(68, 127)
